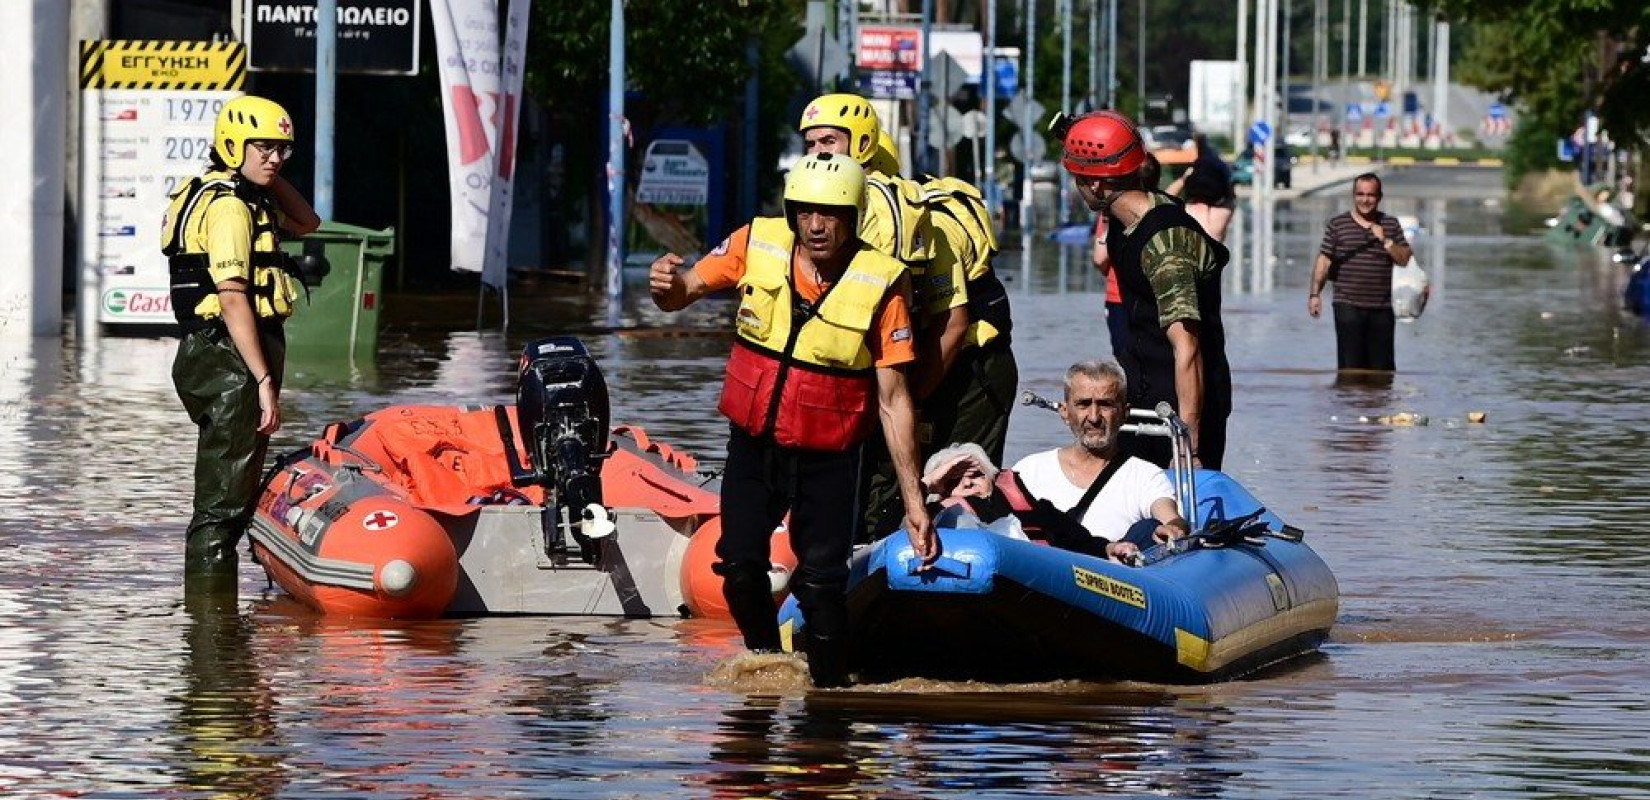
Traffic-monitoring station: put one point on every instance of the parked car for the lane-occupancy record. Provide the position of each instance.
(1243, 169)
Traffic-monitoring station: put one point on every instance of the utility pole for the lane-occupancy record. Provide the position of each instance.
(1284, 74)
(1111, 54)
(1363, 37)
(1140, 57)
(987, 166)
(1240, 122)
(1440, 76)
(1063, 215)
(1320, 61)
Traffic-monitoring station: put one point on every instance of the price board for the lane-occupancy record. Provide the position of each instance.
(147, 111)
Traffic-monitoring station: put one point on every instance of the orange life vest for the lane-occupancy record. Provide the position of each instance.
(802, 374)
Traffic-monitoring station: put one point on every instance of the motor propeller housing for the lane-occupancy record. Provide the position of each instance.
(563, 410)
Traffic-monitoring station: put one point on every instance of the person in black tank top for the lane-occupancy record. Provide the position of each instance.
(1169, 272)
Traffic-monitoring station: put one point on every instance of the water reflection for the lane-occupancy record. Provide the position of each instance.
(226, 734)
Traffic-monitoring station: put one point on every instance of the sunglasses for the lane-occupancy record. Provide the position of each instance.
(267, 149)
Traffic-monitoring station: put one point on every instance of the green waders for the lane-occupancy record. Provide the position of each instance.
(970, 404)
(221, 396)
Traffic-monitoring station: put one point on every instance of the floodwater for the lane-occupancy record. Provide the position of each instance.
(1494, 639)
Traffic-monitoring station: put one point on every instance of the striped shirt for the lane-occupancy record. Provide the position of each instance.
(1359, 266)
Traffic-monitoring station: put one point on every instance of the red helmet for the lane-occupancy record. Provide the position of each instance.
(1103, 144)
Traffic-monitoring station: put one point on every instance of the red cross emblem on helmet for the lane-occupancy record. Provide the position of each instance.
(813, 111)
(285, 125)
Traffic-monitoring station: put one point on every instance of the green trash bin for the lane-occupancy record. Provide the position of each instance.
(337, 318)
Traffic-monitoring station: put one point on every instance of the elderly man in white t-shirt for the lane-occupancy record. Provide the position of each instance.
(1133, 489)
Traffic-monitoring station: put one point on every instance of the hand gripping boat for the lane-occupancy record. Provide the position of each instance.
(1242, 593)
(430, 511)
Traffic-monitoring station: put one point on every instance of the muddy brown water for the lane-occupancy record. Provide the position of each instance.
(1494, 639)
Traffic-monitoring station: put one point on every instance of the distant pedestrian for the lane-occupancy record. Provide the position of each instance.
(1360, 247)
(1207, 188)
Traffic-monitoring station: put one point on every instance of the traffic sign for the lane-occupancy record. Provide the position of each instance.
(821, 58)
(1016, 109)
(1008, 77)
(945, 77)
(1039, 148)
(946, 126)
(1260, 132)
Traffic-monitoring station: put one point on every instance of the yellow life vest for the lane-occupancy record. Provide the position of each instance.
(273, 279)
(803, 374)
(837, 332)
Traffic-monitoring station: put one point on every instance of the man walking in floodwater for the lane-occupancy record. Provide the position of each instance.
(1360, 247)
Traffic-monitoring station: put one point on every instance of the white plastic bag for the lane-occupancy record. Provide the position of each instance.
(1409, 290)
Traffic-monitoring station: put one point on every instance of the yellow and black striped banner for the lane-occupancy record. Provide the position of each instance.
(162, 65)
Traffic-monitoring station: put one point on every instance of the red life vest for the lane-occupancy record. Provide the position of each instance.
(805, 377)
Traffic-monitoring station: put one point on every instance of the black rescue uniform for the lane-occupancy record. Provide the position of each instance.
(220, 227)
(1185, 267)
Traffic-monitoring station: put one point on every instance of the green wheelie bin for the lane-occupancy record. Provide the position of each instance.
(337, 317)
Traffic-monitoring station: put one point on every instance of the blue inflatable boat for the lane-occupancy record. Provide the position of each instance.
(1241, 594)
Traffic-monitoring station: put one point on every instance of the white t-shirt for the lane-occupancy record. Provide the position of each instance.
(1126, 499)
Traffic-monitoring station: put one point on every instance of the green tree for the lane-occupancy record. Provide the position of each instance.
(685, 63)
(1556, 59)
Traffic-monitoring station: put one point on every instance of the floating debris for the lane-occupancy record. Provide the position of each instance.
(1402, 419)
(1477, 417)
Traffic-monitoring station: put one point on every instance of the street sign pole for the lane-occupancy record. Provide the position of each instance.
(326, 83)
(987, 167)
(1025, 113)
(920, 153)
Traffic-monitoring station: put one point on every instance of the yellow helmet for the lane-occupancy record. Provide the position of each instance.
(886, 159)
(248, 118)
(825, 179)
(851, 113)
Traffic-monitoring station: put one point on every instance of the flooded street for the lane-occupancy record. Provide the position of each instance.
(1494, 639)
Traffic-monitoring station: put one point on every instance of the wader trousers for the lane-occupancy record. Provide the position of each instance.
(761, 482)
(221, 396)
(970, 404)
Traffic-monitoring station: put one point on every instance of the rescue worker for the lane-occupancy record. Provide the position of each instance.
(231, 289)
(1168, 269)
(823, 335)
(966, 378)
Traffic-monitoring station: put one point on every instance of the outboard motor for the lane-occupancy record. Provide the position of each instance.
(562, 407)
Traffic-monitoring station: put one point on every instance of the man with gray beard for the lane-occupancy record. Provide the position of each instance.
(1091, 479)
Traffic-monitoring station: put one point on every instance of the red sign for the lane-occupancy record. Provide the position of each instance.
(892, 48)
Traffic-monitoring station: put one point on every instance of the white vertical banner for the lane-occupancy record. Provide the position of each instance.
(494, 271)
(466, 38)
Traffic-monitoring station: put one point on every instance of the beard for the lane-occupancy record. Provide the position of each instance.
(1099, 439)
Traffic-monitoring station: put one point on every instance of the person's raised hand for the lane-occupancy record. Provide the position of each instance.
(664, 276)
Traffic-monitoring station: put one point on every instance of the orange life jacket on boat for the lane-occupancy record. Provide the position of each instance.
(804, 373)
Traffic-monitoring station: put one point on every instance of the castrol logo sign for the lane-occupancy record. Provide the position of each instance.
(137, 302)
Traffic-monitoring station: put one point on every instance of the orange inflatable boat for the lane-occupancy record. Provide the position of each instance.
(430, 511)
